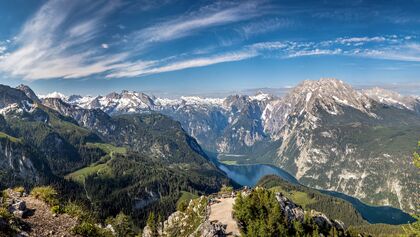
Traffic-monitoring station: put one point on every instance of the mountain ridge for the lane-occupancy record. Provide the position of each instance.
(318, 124)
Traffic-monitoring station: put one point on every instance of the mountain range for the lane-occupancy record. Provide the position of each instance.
(132, 163)
(325, 133)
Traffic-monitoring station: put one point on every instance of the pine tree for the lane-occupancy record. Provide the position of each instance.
(416, 157)
(151, 223)
(298, 228)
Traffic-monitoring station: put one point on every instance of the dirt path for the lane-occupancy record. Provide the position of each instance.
(43, 223)
(222, 212)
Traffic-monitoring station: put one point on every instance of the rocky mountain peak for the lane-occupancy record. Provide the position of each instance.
(328, 93)
(14, 102)
(301, 106)
(11, 95)
(236, 102)
(57, 104)
(113, 95)
(74, 98)
(392, 98)
(261, 96)
(29, 92)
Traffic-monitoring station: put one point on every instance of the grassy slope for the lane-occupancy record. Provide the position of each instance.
(186, 196)
(101, 167)
(300, 198)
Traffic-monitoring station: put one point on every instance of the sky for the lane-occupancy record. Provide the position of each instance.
(174, 47)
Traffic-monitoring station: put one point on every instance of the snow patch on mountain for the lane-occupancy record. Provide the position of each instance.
(195, 100)
(54, 94)
(392, 98)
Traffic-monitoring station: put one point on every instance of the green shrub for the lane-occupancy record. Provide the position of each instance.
(75, 210)
(89, 229)
(4, 195)
(9, 225)
(182, 205)
(57, 209)
(184, 200)
(226, 189)
(5, 214)
(20, 190)
(123, 225)
(46, 194)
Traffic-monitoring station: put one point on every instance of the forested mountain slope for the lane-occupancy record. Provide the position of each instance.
(149, 159)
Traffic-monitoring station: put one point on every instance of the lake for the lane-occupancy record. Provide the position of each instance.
(249, 175)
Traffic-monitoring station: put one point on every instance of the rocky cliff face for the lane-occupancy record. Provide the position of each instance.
(293, 212)
(16, 162)
(336, 138)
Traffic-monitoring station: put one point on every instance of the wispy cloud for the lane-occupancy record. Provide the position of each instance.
(398, 48)
(51, 45)
(146, 68)
(311, 52)
(360, 40)
(264, 26)
(56, 44)
(148, 5)
(209, 16)
(65, 39)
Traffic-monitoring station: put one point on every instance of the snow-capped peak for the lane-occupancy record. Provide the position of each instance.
(260, 96)
(391, 98)
(195, 100)
(304, 101)
(54, 94)
(167, 102)
(328, 92)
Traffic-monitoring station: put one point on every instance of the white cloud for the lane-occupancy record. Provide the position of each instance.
(55, 44)
(398, 48)
(52, 45)
(267, 25)
(209, 16)
(269, 45)
(401, 53)
(313, 52)
(147, 68)
(360, 39)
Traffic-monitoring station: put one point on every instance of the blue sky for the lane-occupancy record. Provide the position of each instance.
(176, 47)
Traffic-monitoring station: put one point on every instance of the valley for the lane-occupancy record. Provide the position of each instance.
(325, 133)
(134, 154)
(209, 118)
(251, 175)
